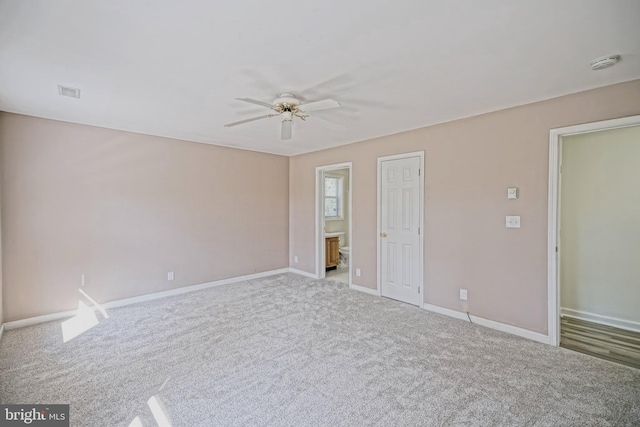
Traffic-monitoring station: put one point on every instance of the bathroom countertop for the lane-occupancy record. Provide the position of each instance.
(334, 234)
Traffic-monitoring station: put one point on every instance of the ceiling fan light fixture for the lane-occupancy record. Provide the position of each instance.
(285, 132)
(288, 106)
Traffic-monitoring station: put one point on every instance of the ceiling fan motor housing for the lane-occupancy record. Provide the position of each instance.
(286, 99)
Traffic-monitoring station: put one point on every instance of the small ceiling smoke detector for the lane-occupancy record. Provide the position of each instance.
(71, 92)
(605, 62)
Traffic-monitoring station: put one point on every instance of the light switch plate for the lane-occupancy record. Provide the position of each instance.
(513, 221)
(512, 193)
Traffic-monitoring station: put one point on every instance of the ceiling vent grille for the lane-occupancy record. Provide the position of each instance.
(68, 91)
(605, 62)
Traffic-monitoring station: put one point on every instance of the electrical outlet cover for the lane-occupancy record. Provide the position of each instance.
(513, 221)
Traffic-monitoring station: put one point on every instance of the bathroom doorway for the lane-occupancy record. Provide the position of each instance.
(334, 222)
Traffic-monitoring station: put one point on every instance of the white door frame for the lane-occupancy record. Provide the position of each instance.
(553, 250)
(320, 243)
(420, 224)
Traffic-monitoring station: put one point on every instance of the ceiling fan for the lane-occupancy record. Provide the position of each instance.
(289, 106)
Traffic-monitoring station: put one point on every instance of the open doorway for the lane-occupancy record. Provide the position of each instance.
(334, 222)
(596, 240)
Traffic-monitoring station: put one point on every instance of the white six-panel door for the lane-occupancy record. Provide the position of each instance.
(400, 221)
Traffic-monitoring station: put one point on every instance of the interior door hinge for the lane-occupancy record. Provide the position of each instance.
(418, 290)
(418, 230)
(419, 172)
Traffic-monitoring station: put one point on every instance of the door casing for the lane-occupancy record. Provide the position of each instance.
(553, 247)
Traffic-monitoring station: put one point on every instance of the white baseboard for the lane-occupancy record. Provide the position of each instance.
(1, 331)
(142, 298)
(302, 273)
(525, 333)
(39, 319)
(364, 289)
(601, 319)
(446, 311)
(187, 289)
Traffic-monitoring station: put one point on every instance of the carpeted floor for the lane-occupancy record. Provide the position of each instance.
(292, 351)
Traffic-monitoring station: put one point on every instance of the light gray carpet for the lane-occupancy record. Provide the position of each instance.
(292, 351)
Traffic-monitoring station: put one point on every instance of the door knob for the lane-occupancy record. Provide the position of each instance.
(383, 234)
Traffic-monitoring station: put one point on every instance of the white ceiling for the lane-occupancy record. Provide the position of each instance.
(173, 68)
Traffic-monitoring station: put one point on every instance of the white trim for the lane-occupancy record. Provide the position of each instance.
(553, 326)
(1, 331)
(302, 273)
(350, 201)
(514, 330)
(39, 319)
(446, 311)
(142, 298)
(629, 325)
(419, 154)
(622, 122)
(364, 289)
(319, 217)
(553, 281)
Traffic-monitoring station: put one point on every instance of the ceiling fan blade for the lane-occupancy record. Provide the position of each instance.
(228, 125)
(254, 101)
(327, 123)
(286, 129)
(319, 105)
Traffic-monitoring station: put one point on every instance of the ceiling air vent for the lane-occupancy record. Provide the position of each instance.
(68, 91)
(605, 62)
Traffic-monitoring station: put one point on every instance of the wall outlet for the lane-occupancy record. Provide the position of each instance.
(513, 221)
(82, 279)
(295, 259)
(357, 272)
(170, 275)
(463, 294)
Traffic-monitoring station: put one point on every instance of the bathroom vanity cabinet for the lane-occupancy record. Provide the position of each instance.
(332, 252)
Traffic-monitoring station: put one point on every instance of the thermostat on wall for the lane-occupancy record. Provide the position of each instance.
(512, 193)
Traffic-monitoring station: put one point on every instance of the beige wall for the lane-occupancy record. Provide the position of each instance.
(469, 164)
(124, 209)
(600, 223)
